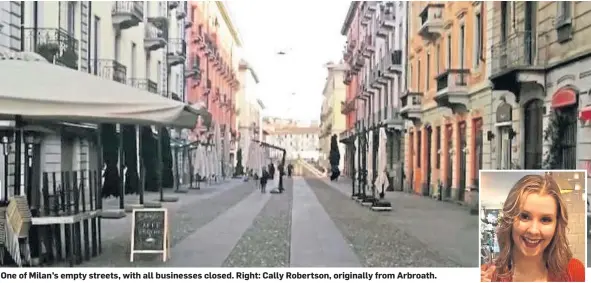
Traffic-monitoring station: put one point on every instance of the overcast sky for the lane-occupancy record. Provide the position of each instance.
(310, 34)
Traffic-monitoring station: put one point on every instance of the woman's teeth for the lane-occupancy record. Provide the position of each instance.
(531, 242)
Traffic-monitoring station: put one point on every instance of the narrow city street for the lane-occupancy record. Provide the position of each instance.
(312, 224)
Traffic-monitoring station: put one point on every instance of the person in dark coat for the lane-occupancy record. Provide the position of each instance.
(271, 171)
(264, 178)
(289, 170)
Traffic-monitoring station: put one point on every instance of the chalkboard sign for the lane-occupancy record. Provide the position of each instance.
(149, 232)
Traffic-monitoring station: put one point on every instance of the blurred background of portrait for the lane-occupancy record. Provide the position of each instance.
(494, 188)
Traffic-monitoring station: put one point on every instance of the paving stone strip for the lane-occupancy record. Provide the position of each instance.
(267, 242)
(186, 217)
(377, 241)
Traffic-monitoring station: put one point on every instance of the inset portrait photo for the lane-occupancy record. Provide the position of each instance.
(533, 225)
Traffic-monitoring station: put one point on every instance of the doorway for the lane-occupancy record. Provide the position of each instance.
(463, 159)
(450, 162)
(568, 144)
(533, 134)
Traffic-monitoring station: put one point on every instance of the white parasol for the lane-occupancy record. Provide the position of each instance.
(217, 135)
(227, 153)
(382, 179)
(356, 159)
(369, 156)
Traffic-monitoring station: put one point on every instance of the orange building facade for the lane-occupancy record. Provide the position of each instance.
(448, 83)
(212, 73)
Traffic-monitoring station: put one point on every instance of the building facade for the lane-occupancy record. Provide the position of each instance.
(249, 109)
(214, 50)
(332, 121)
(300, 140)
(539, 72)
(136, 43)
(375, 53)
(449, 88)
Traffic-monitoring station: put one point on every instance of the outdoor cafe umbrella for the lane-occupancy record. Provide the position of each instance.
(382, 179)
(369, 157)
(217, 135)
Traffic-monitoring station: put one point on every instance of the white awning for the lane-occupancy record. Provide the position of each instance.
(43, 91)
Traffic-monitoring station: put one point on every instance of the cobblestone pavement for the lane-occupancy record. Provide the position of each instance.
(312, 224)
(267, 242)
(457, 231)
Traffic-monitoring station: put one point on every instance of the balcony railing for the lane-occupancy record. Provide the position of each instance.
(145, 84)
(410, 99)
(452, 78)
(514, 52)
(127, 14)
(109, 69)
(55, 45)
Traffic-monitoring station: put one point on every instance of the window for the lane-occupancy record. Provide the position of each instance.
(419, 148)
(71, 18)
(477, 40)
(437, 58)
(448, 61)
(133, 59)
(409, 75)
(462, 46)
(438, 147)
(564, 12)
(419, 75)
(428, 72)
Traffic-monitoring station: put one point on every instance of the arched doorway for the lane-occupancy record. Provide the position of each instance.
(565, 104)
(533, 133)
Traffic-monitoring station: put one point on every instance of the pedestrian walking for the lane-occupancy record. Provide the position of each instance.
(264, 178)
(289, 170)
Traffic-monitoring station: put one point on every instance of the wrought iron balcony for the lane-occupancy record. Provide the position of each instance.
(144, 84)
(177, 52)
(109, 69)
(452, 88)
(358, 61)
(368, 47)
(180, 14)
(55, 45)
(373, 79)
(348, 77)
(127, 14)
(393, 63)
(512, 57)
(431, 21)
(154, 38)
(347, 106)
(160, 18)
(188, 23)
(173, 4)
(387, 23)
(410, 105)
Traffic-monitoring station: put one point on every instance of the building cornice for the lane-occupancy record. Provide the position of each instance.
(349, 17)
(226, 16)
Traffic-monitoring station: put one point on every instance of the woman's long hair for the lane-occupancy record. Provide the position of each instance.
(557, 254)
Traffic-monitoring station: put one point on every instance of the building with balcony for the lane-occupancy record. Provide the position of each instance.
(376, 55)
(249, 109)
(300, 140)
(332, 121)
(214, 51)
(123, 41)
(539, 57)
(447, 102)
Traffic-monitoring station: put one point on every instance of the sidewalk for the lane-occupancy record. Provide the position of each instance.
(116, 232)
(447, 228)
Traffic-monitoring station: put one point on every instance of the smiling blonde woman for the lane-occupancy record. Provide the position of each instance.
(532, 236)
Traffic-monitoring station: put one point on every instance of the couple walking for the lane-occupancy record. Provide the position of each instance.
(268, 173)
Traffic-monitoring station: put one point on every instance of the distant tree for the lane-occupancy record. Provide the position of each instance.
(334, 158)
(239, 168)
